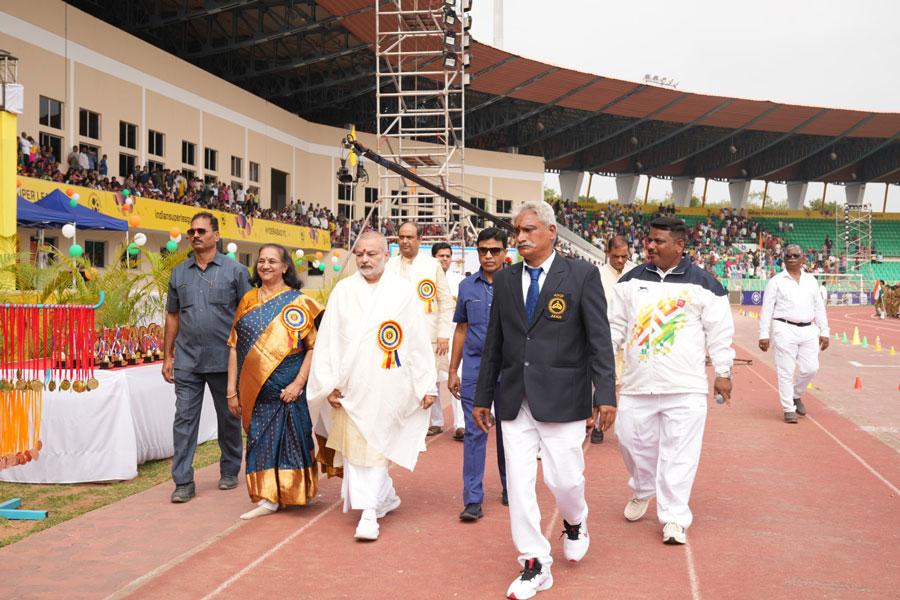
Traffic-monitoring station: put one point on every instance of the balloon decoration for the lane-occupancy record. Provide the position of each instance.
(126, 192)
(172, 246)
(321, 267)
(174, 233)
(315, 264)
(231, 247)
(69, 192)
(18, 183)
(334, 259)
(336, 267)
(75, 250)
(319, 255)
(73, 202)
(68, 231)
(177, 239)
(134, 221)
(231, 255)
(76, 197)
(298, 253)
(133, 249)
(140, 239)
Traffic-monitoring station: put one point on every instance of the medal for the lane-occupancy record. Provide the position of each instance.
(51, 386)
(92, 384)
(77, 386)
(64, 385)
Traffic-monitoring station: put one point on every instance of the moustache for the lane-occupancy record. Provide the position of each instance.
(525, 245)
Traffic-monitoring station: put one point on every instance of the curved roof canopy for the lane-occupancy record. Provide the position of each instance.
(316, 58)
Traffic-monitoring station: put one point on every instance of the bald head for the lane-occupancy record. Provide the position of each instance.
(371, 255)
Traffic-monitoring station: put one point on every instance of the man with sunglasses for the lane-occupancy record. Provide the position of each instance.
(473, 311)
(204, 291)
(794, 322)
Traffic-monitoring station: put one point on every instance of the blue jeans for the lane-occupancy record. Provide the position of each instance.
(474, 453)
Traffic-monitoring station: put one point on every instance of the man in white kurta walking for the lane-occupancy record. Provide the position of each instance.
(429, 284)
(371, 383)
(443, 252)
(794, 320)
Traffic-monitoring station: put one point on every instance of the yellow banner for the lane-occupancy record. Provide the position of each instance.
(158, 215)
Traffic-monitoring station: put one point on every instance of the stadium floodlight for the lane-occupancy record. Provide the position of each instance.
(449, 17)
(467, 5)
(467, 78)
(449, 3)
(466, 41)
(467, 59)
(449, 39)
(467, 22)
(450, 60)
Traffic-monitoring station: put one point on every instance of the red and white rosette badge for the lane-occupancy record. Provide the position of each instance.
(427, 290)
(390, 336)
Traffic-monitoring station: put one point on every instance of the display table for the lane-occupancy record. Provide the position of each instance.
(105, 434)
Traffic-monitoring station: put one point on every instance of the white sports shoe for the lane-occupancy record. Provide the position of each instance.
(534, 578)
(576, 541)
(367, 529)
(259, 511)
(636, 508)
(673, 533)
(389, 505)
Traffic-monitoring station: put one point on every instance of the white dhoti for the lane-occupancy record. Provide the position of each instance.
(366, 488)
(562, 459)
(795, 348)
(660, 437)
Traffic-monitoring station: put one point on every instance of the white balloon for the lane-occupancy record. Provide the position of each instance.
(75, 197)
(140, 239)
(129, 200)
(335, 259)
(232, 247)
(68, 231)
(298, 253)
(315, 264)
(177, 239)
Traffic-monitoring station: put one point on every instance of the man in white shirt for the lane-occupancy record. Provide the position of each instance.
(443, 252)
(793, 318)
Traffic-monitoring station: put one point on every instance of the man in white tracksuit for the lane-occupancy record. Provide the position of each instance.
(793, 318)
(667, 315)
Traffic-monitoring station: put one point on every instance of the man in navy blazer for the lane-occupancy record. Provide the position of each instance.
(549, 342)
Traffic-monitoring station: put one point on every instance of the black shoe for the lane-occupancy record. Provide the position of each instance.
(472, 512)
(228, 482)
(597, 436)
(801, 408)
(790, 417)
(183, 493)
(504, 499)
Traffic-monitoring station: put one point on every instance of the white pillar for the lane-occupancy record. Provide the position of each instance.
(855, 192)
(626, 188)
(498, 23)
(738, 190)
(796, 191)
(570, 184)
(682, 190)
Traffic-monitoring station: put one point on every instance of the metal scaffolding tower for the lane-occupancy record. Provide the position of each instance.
(853, 235)
(422, 49)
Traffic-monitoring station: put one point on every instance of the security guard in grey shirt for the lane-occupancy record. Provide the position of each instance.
(204, 292)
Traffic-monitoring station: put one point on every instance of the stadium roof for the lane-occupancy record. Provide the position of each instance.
(316, 58)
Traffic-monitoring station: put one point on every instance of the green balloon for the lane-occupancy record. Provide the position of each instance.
(321, 267)
(73, 202)
(336, 268)
(231, 255)
(75, 250)
(171, 245)
(126, 192)
(133, 249)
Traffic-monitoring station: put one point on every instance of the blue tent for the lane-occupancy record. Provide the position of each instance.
(29, 214)
(84, 218)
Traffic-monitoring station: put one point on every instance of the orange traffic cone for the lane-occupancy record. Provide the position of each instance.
(857, 385)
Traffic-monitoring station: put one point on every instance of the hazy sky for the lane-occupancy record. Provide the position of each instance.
(836, 53)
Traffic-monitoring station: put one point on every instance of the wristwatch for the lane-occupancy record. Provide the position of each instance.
(724, 374)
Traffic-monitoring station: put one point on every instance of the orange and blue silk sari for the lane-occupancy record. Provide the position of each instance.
(272, 338)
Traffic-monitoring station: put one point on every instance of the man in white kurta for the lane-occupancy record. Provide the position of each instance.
(443, 252)
(429, 285)
(793, 318)
(371, 383)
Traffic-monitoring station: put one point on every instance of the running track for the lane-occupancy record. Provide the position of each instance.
(803, 511)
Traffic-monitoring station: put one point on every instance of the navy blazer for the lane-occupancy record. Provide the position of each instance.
(554, 361)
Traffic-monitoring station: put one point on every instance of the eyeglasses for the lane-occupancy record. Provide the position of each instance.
(492, 251)
(793, 255)
(198, 231)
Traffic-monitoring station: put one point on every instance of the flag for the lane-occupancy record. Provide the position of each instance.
(877, 292)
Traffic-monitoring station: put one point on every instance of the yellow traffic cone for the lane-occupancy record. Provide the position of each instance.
(856, 340)
(877, 343)
(809, 386)
(892, 352)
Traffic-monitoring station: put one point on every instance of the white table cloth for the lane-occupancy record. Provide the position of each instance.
(105, 434)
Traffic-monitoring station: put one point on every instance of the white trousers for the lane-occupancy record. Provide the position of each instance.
(437, 409)
(365, 488)
(660, 437)
(795, 348)
(562, 460)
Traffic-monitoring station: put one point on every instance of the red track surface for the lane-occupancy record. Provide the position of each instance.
(781, 511)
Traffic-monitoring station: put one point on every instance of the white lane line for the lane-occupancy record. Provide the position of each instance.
(860, 459)
(692, 573)
(139, 582)
(862, 366)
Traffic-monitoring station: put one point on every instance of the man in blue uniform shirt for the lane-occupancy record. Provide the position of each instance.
(473, 311)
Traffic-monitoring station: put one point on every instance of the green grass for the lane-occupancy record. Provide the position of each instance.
(67, 501)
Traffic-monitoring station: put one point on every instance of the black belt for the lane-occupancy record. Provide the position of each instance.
(792, 323)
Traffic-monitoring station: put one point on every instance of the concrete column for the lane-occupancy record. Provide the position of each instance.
(738, 190)
(855, 192)
(626, 188)
(682, 190)
(796, 192)
(570, 184)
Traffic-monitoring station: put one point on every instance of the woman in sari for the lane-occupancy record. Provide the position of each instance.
(271, 351)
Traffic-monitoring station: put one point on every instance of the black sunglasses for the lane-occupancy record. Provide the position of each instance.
(793, 255)
(492, 251)
(198, 231)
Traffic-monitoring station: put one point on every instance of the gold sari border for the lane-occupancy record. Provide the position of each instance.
(286, 487)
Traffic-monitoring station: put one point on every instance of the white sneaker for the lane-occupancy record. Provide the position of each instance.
(367, 529)
(534, 578)
(576, 541)
(673, 533)
(636, 508)
(259, 511)
(390, 505)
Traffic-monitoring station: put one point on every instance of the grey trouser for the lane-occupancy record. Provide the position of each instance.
(188, 403)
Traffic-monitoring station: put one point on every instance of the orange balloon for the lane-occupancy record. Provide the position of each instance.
(134, 221)
(18, 183)
(174, 232)
(69, 192)
(319, 255)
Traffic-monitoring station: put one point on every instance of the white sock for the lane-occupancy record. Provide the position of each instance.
(369, 513)
(266, 504)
